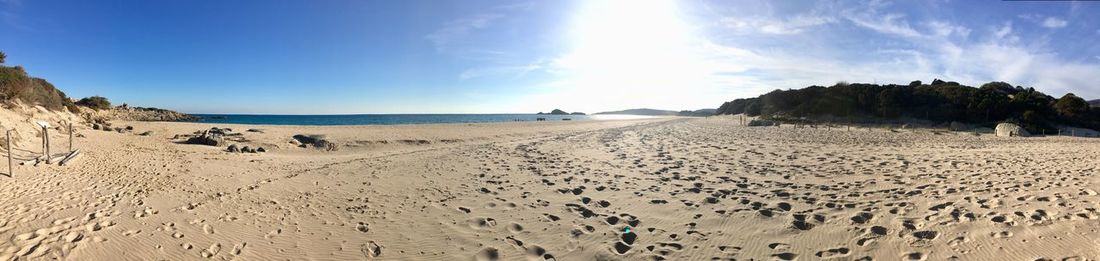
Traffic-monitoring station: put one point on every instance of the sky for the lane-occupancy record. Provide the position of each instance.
(478, 56)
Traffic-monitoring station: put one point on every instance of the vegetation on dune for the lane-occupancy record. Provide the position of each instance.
(95, 102)
(940, 101)
(16, 84)
(2, 57)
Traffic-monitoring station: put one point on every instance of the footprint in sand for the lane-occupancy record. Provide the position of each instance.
(834, 253)
(372, 249)
(538, 253)
(515, 228)
(132, 232)
(273, 233)
(729, 250)
(779, 246)
(487, 254)
(211, 251)
(238, 248)
(785, 256)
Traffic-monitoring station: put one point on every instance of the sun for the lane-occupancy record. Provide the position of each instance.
(641, 49)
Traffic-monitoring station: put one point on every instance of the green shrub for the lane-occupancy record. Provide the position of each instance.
(95, 102)
(16, 84)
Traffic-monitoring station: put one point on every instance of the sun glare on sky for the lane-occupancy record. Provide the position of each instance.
(630, 53)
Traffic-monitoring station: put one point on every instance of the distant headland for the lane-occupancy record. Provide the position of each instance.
(941, 101)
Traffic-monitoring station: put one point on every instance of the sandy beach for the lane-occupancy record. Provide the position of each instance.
(650, 189)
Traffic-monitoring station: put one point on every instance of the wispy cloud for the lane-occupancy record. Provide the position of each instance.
(893, 24)
(458, 29)
(1051, 22)
(455, 31)
(513, 71)
(640, 62)
(929, 47)
(1054, 22)
(793, 25)
(11, 18)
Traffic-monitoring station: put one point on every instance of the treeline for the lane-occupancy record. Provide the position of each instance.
(940, 101)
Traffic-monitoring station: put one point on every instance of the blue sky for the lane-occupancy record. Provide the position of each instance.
(321, 57)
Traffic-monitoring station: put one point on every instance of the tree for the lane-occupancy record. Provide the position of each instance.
(1071, 107)
(95, 102)
(753, 108)
(2, 57)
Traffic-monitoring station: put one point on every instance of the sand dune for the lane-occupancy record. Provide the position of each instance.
(659, 189)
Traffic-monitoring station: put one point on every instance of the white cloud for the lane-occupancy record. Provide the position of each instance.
(793, 25)
(893, 24)
(940, 49)
(945, 29)
(646, 65)
(1054, 22)
(513, 71)
(1005, 33)
(456, 29)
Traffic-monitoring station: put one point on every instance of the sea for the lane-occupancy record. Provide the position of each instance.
(391, 119)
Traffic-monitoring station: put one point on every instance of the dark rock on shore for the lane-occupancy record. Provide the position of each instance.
(317, 141)
(206, 138)
(245, 149)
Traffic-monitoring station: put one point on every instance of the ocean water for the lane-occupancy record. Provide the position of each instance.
(388, 119)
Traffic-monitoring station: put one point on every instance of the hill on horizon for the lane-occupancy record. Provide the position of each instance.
(941, 101)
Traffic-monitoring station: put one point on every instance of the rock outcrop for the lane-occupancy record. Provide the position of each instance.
(317, 141)
(1011, 130)
(206, 138)
(127, 113)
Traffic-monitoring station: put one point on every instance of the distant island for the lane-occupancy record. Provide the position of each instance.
(656, 112)
(941, 101)
(560, 112)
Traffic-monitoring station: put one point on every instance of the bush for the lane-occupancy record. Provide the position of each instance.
(2, 57)
(95, 102)
(16, 84)
(1071, 107)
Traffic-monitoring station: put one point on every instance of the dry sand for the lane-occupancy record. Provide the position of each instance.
(685, 189)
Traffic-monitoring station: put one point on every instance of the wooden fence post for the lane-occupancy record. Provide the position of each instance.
(11, 170)
(70, 137)
(42, 144)
(46, 139)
